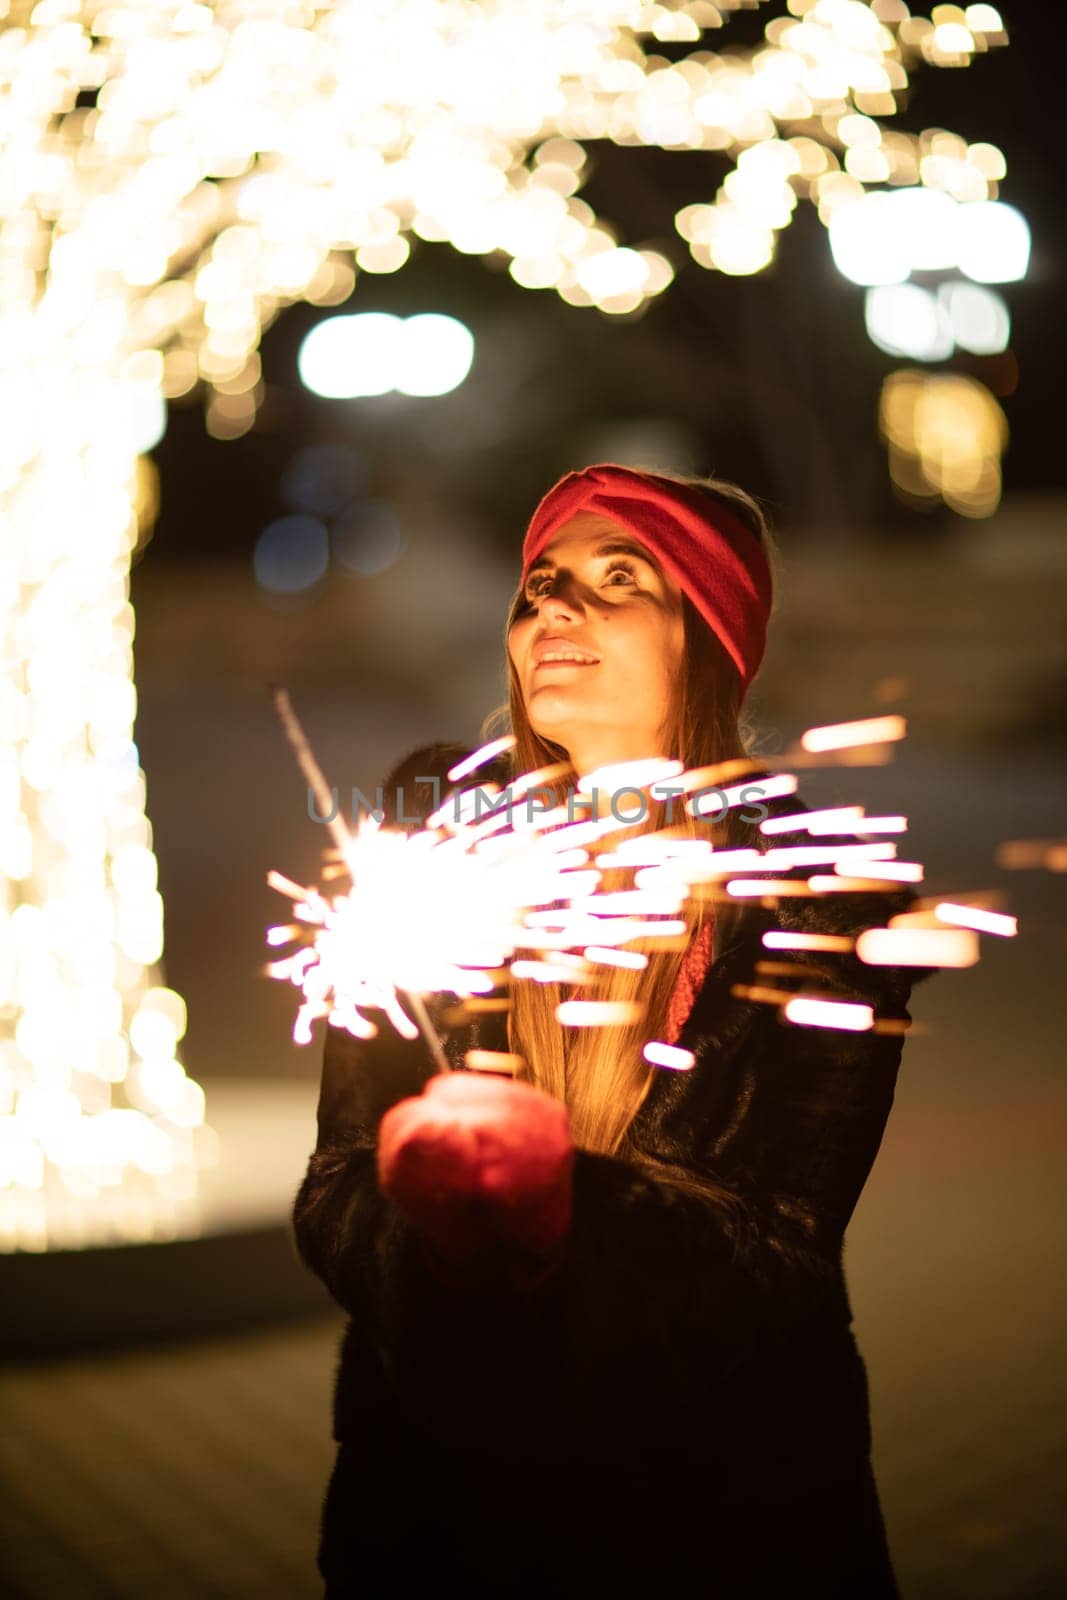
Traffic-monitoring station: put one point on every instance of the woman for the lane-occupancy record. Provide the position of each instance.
(598, 1323)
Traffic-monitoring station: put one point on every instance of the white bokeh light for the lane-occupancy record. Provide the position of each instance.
(346, 358)
(867, 242)
(927, 223)
(374, 353)
(883, 237)
(905, 320)
(612, 272)
(432, 355)
(993, 242)
(980, 321)
(149, 421)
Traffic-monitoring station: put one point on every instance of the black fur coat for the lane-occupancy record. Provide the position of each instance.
(683, 1402)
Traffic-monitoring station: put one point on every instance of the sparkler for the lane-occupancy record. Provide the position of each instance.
(466, 904)
(444, 909)
(310, 902)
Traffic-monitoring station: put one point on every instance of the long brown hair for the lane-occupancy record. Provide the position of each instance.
(600, 1073)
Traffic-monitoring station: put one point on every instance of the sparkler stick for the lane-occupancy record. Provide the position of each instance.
(298, 743)
(428, 1031)
(305, 757)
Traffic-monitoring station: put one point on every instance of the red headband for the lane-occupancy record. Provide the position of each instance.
(715, 559)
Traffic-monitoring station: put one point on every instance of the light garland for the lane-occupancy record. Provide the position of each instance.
(238, 158)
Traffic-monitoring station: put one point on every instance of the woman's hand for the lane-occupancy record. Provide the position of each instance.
(476, 1161)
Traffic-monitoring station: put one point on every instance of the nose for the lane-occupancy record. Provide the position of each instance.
(561, 599)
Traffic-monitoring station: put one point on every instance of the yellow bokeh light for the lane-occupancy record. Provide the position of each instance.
(946, 434)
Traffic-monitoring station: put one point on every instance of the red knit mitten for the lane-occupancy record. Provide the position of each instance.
(476, 1160)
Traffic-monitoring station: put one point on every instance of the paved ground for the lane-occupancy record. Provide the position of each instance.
(187, 1473)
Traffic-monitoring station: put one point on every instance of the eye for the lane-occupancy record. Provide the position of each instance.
(536, 586)
(625, 567)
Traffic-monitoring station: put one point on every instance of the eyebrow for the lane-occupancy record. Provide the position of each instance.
(612, 547)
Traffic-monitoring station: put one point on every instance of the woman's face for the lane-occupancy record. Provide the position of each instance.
(595, 592)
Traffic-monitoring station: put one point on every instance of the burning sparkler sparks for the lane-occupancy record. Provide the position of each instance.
(445, 908)
(466, 904)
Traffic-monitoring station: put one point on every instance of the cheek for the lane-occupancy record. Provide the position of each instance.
(519, 640)
(676, 642)
(653, 673)
(653, 652)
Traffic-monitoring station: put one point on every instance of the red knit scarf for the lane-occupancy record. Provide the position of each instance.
(694, 970)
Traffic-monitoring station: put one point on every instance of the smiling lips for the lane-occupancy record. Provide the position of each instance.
(559, 653)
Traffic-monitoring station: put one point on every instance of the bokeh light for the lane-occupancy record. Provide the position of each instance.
(905, 320)
(292, 553)
(373, 353)
(946, 434)
(345, 358)
(867, 242)
(367, 538)
(994, 242)
(979, 319)
(882, 237)
(322, 479)
(925, 219)
(432, 355)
